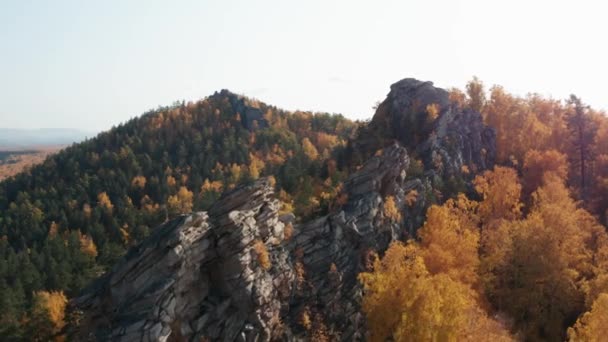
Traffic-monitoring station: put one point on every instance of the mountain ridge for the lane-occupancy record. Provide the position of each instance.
(335, 195)
(68, 219)
(312, 273)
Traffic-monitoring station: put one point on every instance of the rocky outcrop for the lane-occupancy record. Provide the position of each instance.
(252, 117)
(445, 141)
(235, 273)
(334, 249)
(200, 276)
(196, 277)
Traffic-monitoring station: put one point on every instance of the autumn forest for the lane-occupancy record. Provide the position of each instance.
(522, 255)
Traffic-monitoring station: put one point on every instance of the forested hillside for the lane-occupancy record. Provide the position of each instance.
(523, 257)
(520, 249)
(535, 132)
(69, 219)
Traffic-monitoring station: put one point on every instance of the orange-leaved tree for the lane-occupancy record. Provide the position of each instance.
(404, 302)
(450, 240)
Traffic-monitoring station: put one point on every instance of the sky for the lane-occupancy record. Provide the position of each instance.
(94, 64)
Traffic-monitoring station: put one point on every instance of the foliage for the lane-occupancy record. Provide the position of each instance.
(309, 149)
(500, 191)
(262, 254)
(450, 240)
(593, 325)
(432, 111)
(537, 164)
(87, 246)
(544, 263)
(540, 268)
(476, 94)
(411, 197)
(404, 302)
(529, 249)
(66, 220)
(180, 203)
(47, 315)
(534, 123)
(391, 212)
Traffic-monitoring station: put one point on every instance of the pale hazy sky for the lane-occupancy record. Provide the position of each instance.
(94, 64)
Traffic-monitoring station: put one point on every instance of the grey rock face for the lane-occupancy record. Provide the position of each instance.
(456, 138)
(199, 276)
(202, 277)
(333, 249)
(196, 277)
(249, 113)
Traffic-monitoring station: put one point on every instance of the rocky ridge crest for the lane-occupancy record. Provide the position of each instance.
(203, 276)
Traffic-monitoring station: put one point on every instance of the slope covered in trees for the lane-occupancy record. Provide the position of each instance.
(527, 126)
(67, 220)
(525, 257)
(475, 261)
(521, 254)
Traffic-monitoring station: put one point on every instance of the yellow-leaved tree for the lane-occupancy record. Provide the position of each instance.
(404, 302)
(538, 163)
(180, 203)
(546, 268)
(47, 315)
(593, 325)
(309, 149)
(501, 192)
(104, 201)
(450, 240)
(391, 212)
(138, 182)
(256, 166)
(87, 245)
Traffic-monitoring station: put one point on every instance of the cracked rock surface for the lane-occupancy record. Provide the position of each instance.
(201, 277)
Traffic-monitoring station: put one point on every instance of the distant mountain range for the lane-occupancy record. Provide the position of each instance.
(26, 138)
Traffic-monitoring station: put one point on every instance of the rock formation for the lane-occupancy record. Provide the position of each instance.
(235, 273)
(197, 275)
(457, 137)
(251, 116)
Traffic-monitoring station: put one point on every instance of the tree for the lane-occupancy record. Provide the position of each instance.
(404, 302)
(432, 111)
(593, 325)
(476, 94)
(457, 96)
(450, 240)
(542, 278)
(171, 182)
(47, 315)
(262, 254)
(104, 201)
(180, 203)
(87, 246)
(582, 129)
(235, 173)
(599, 193)
(309, 149)
(539, 163)
(500, 191)
(391, 212)
(139, 182)
(256, 165)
